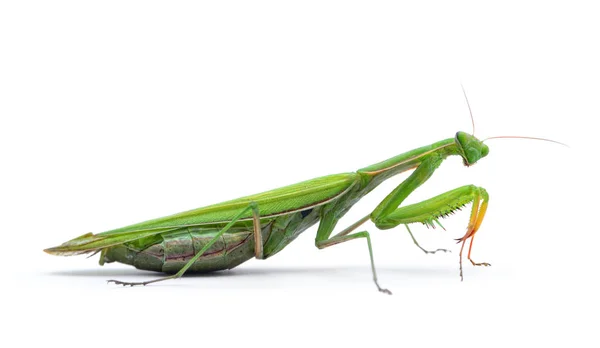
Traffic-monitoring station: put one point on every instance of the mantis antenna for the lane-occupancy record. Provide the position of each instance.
(503, 136)
(469, 106)
(522, 137)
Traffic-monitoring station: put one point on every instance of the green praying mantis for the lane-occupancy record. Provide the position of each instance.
(224, 235)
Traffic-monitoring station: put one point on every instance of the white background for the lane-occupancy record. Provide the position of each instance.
(116, 112)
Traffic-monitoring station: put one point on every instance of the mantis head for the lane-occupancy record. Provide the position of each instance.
(470, 148)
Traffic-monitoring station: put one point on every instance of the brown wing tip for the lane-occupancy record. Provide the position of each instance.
(64, 251)
(49, 251)
(56, 251)
(67, 248)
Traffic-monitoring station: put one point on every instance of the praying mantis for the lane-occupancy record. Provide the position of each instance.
(224, 235)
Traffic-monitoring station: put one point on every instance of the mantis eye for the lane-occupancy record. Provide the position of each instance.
(484, 150)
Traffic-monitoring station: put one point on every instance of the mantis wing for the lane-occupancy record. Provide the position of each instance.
(285, 200)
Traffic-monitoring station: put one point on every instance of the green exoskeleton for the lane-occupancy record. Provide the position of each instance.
(224, 235)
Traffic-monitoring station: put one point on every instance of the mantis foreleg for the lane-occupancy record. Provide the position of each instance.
(388, 214)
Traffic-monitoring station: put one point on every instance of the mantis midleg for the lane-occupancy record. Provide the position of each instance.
(420, 247)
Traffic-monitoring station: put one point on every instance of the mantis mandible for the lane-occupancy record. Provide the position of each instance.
(224, 235)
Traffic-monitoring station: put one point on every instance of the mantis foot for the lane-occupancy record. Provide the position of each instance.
(118, 282)
(132, 284)
(480, 263)
(420, 247)
(435, 251)
(385, 291)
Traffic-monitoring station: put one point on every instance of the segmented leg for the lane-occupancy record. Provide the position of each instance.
(420, 247)
(469, 255)
(323, 240)
(251, 206)
(344, 238)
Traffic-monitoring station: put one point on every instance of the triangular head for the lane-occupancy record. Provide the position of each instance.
(470, 148)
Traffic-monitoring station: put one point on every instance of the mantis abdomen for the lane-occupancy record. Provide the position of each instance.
(169, 252)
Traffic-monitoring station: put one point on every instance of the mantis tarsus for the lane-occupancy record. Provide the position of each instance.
(224, 235)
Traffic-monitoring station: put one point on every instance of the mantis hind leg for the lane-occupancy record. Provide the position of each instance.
(258, 252)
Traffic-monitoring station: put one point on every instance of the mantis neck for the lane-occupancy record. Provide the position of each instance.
(377, 173)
